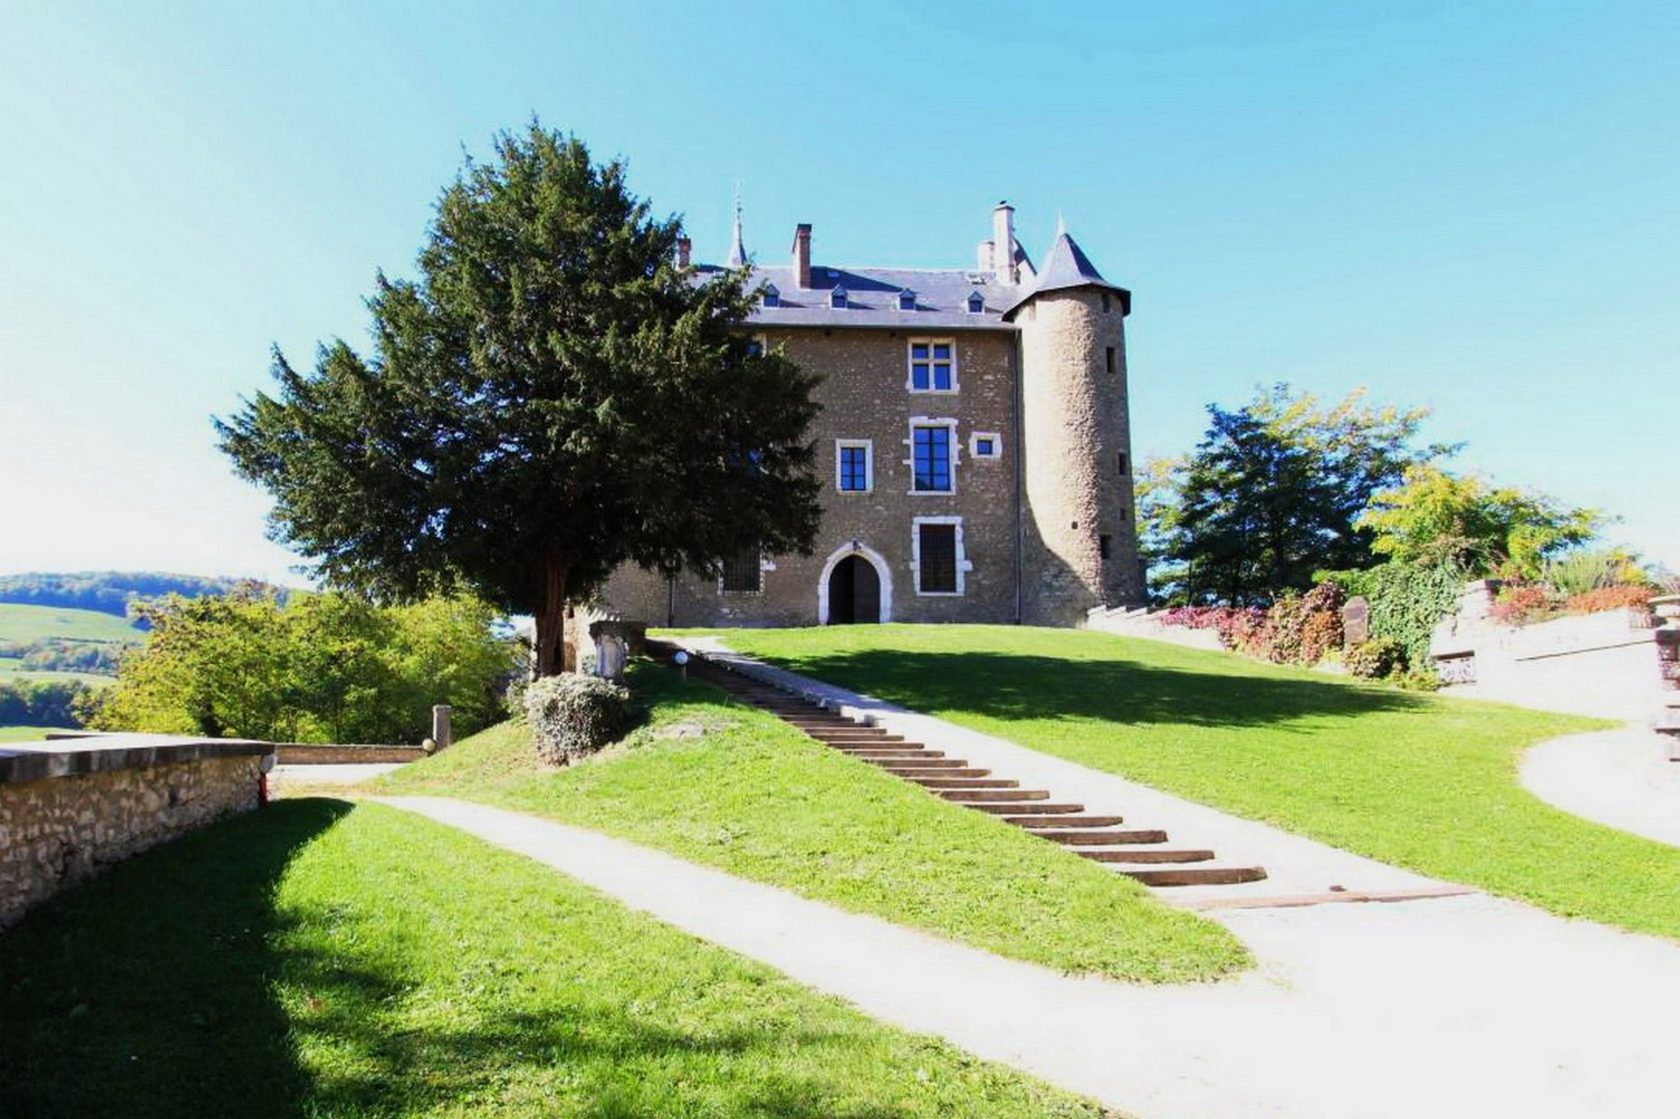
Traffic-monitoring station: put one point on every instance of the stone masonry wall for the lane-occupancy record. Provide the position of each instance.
(864, 396)
(60, 830)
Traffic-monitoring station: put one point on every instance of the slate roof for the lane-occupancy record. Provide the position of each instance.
(941, 293)
(872, 298)
(1067, 266)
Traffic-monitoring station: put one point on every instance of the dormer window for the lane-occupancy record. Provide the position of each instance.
(906, 300)
(837, 298)
(976, 303)
(772, 296)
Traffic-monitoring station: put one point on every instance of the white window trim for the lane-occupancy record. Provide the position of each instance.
(761, 341)
(910, 373)
(964, 565)
(974, 444)
(910, 450)
(868, 446)
(883, 571)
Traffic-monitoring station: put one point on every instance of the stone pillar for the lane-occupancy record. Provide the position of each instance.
(441, 732)
(1356, 622)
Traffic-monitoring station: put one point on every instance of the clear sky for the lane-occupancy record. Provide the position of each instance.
(1470, 206)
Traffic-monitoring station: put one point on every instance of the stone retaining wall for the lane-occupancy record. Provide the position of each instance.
(99, 807)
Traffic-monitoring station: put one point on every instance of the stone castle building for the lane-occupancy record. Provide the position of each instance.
(973, 445)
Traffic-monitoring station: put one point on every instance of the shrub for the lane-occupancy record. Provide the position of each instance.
(1580, 572)
(1409, 600)
(573, 716)
(1519, 603)
(1376, 659)
(1608, 598)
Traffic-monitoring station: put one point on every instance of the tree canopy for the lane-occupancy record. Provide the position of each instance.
(1273, 493)
(550, 398)
(1434, 517)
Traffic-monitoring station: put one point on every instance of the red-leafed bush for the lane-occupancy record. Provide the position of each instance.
(1519, 603)
(1608, 598)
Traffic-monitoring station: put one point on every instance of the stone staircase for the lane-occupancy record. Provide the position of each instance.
(1141, 853)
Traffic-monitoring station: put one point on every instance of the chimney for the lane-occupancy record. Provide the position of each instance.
(983, 258)
(802, 254)
(684, 248)
(1003, 243)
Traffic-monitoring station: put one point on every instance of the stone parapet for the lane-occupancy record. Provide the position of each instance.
(69, 808)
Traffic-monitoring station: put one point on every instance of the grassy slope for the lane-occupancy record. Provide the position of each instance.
(312, 962)
(1421, 781)
(761, 800)
(24, 734)
(33, 623)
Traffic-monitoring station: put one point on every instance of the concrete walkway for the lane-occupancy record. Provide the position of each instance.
(1298, 869)
(297, 779)
(1621, 778)
(1468, 1006)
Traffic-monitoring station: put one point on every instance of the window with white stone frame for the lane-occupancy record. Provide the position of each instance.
(937, 557)
(934, 452)
(985, 444)
(854, 465)
(932, 365)
(742, 572)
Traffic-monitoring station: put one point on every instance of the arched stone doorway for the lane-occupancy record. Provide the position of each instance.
(856, 588)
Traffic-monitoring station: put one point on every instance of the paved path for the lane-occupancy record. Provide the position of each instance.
(1622, 778)
(296, 778)
(1296, 867)
(1468, 1006)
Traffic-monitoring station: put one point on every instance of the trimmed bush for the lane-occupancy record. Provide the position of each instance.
(1376, 659)
(573, 716)
(1519, 603)
(1609, 598)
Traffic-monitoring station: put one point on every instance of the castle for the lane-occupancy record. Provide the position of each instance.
(973, 443)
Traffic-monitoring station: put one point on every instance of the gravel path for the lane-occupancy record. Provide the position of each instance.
(1622, 778)
(1467, 1006)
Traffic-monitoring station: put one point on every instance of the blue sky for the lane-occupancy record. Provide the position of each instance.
(1474, 207)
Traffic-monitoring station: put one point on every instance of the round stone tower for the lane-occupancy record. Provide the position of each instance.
(1079, 539)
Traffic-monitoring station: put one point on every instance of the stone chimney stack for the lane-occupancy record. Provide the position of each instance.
(685, 247)
(1003, 243)
(802, 254)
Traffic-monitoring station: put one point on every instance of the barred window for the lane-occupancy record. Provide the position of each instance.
(937, 572)
(741, 573)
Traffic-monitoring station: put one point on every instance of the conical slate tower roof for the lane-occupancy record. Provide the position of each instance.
(1066, 266)
(737, 244)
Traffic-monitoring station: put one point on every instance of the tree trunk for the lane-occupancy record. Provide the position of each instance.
(551, 615)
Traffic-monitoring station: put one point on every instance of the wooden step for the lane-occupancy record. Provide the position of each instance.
(980, 796)
(1065, 821)
(1145, 855)
(1060, 833)
(914, 760)
(856, 736)
(1037, 809)
(913, 770)
(1194, 875)
(871, 753)
(947, 781)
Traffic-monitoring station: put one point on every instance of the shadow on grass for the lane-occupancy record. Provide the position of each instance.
(1015, 687)
(153, 991)
(146, 992)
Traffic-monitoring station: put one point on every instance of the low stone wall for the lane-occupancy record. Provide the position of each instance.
(311, 753)
(69, 809)
(1142, 623)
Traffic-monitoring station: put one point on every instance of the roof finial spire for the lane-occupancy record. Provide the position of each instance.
(1061, 225)
(737, 244)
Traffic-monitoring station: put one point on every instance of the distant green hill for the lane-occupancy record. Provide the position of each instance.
(29, 625)
(110, 592)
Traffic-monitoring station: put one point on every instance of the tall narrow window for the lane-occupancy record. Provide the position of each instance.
(932, 365)
(741, 572)
(1110, 357)
(1121, 462)
(931, 457)
(1105, 545)
(1105, 302)
(936, 571)
(852, 467)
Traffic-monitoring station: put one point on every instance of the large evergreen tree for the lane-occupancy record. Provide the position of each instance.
(550, 398)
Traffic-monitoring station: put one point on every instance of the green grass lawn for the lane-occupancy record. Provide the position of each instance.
(1417, 780)
(716, 782)
(24, 734)
(26, 624)
(314, 960)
